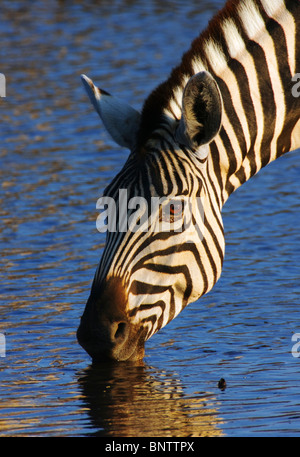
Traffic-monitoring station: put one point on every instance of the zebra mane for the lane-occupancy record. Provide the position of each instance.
(210, 51)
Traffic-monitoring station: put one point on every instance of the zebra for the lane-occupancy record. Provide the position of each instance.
(227, 110)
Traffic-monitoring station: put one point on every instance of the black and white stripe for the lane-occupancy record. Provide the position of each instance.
(251, 50)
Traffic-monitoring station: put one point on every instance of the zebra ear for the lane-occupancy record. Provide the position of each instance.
(120, 119)
(201, 111)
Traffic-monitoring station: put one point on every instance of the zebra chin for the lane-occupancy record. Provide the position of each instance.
(105, 331)
(119, 350)
(120, 347)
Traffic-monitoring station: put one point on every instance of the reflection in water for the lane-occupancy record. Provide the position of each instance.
(55, 161)
(126, 401)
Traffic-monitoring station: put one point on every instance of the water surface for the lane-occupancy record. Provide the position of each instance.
(56, 160)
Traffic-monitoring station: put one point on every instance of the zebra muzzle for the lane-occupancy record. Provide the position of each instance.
(105, 331)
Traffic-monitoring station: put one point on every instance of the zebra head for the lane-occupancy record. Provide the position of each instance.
(162, 251)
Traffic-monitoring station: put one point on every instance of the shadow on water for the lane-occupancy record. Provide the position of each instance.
(126, 400)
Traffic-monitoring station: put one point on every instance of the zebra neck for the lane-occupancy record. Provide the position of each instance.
(251, 49)
(261, 112)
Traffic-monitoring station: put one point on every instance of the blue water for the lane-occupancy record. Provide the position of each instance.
(55, 160)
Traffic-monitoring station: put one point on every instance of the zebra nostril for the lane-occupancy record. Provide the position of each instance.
(120, 331)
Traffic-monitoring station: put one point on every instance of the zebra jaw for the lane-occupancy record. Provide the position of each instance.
(178, 149)
(111, 328)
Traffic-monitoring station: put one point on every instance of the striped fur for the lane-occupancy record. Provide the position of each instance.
(251, 49)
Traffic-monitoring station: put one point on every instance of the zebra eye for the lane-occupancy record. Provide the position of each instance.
(172, 211)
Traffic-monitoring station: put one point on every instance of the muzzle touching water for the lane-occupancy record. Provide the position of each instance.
(105, 330)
